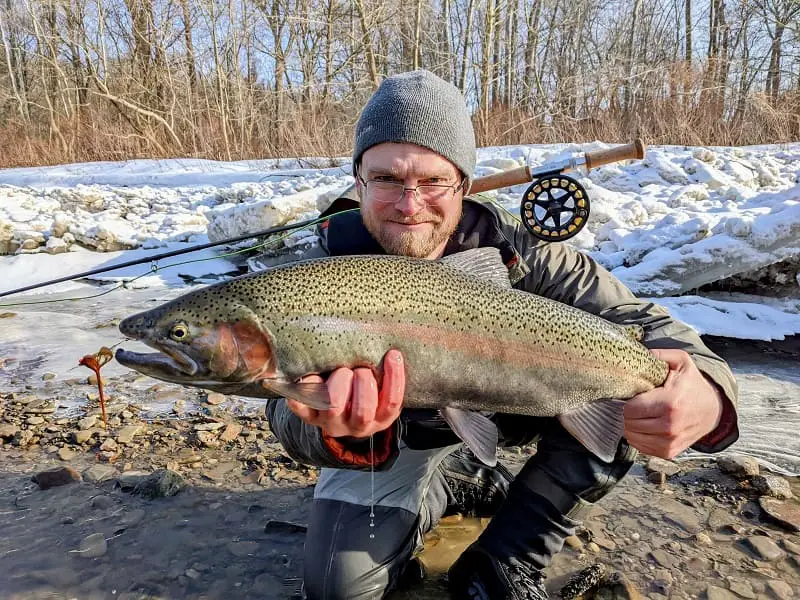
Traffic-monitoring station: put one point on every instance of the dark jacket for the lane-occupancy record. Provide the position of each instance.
(553, 270)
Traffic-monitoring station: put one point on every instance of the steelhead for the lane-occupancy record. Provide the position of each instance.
(471, 342)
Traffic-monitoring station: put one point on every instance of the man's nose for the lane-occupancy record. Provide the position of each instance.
(409, 203)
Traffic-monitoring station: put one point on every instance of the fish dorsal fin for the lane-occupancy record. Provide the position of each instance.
(478, 432)
(635, 332)
(485, 263)
(598, 426)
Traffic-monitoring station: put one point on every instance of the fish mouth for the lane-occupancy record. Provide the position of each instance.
(166, 363)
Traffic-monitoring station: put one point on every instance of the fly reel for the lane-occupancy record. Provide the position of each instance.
(555, 207)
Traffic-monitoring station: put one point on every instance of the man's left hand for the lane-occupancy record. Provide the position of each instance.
(668, 419)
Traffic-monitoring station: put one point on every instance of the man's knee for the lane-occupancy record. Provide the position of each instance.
(342, 561)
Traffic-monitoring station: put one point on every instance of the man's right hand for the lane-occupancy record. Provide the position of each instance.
(358, 408)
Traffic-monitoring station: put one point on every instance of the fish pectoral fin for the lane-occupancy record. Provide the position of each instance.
(485, 263)
(314, 395)
(598, 426)
(478, 432)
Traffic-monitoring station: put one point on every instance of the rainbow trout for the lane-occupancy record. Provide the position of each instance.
(471, 342)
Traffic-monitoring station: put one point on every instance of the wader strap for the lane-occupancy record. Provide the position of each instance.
(568, 504)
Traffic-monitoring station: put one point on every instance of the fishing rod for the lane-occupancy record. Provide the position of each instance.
(550, 197)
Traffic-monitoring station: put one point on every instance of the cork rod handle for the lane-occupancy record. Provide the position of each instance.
(630, 151)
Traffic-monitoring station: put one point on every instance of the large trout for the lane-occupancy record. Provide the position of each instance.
(471, 342)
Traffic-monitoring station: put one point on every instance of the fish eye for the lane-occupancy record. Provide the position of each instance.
(179, 332)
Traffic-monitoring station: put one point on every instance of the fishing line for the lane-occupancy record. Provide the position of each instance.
(155, 268)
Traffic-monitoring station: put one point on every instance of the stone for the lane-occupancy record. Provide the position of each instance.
(213, 426)
(56, 477)
(719, 518)
(593, 547)
(23, 438)
(92, 546)
(780, 589)
(717, 593)
(681, 515)
(126, 434)
(56, 245)
(102, 502)
(219, 471)
(657, 477)
(662, 558)
(160, 484)
(109, 445)
(99, 473)
(66, 453)
(40, 407)
(34, 420)
(232, 431)
(207, 439)
(738, 465)
(763, 548)
(48, 376)
(574, 542)
(618, 587)
(243, 549)
(132, 517)
(57, 577)
(215, 398)
(8, 430)
(771, 485)
(785, 514)
(792, 547)
(659, 465)
(87, 422)
(702, 539)
(84, 435)
(742, 589)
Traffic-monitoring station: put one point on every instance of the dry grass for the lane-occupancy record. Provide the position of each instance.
(99, 134)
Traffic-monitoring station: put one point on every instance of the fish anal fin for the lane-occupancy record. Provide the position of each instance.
(313, 394)
(598, 426)
(477, 431)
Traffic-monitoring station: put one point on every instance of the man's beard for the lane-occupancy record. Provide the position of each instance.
(410, 243)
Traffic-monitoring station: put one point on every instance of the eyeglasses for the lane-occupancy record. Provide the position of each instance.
(389, 192)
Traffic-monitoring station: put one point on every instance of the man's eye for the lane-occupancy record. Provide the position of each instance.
(385, 179)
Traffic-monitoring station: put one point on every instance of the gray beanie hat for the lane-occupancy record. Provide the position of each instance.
(419, 108)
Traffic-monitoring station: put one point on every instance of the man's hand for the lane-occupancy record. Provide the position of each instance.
(358, 407)
(668, 419)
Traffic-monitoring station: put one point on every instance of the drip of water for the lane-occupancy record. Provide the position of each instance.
(372, 486)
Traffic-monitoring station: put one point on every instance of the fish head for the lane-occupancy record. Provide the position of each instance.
(200, 347)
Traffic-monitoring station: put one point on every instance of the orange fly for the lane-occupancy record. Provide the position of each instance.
(96, 362)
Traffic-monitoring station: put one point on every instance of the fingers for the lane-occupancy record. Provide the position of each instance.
(306, 413)
(392, 392)
(676, 359)
(363, 403)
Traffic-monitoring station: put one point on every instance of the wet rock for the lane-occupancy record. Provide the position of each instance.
(192, 574)
(232, 431)
(8, 430)
(657, 477)
(92, 546)
(87, 422)
(102, 502)
(132, 517)
(720, 518)
(785, 514)
(56, 477)
(763, 548)
(40, 407)
(109, 445)
(48, 376)
(215, 398)
(780, 589)
(34, 420)
(128, 480)
(659, 465)
(771, 485)
(717, 593)
(58, 577)
(662, 558)
(681, 515)
(738, 465)
(160, 484)
(243, 549)
(99, 473)
(66, 453)
(276, 526)
(126, 434)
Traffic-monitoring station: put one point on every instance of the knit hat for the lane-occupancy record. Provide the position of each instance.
(419, 108)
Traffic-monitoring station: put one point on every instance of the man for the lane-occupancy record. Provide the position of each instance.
(413, 162)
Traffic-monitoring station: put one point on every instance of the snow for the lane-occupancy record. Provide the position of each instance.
(665, 226)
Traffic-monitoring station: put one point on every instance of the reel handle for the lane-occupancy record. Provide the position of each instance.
(501, 180)
(634, 150)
